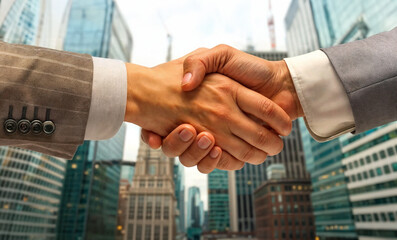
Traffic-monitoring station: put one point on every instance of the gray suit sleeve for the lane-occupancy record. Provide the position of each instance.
(44, 85)
(368, 71)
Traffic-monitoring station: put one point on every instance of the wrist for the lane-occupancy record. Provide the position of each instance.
(135, 73)
(284, 75)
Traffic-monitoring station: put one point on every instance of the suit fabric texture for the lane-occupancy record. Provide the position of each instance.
(368, 71)
(57, 84)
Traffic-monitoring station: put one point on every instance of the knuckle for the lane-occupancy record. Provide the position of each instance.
(247, 155)
(189, 60)
(262, 138)
(279, 146)
(205, 169)
(222, 46)
(266, 107)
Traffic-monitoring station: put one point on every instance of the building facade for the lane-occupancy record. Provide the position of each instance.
(151, 198)
(335, 22)
(370, 160)
(90, 196)
(218, 202)
(283, 210)
(21, 21)
(31, 183)
(30, 193)
(179, 181)
(96, 27)
(243, 182)
(195, 214)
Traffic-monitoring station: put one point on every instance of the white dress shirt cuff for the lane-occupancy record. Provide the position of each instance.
(109, 99)
(327, 109)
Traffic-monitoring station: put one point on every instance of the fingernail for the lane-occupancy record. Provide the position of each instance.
(204, 142)
(185, 135)
(214, 153)
(186, 78)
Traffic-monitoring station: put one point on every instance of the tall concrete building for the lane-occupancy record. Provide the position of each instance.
(89, 204)
(195, 214)
(31, 183)
(335, 22)
(370, 160)
(151, 199)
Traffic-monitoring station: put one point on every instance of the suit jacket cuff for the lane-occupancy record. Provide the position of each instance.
(327, 110)
(109, 99)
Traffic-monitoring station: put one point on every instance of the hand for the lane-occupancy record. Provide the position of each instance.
(271, 79)
(156, 103)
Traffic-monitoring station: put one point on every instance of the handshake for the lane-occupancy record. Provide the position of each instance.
(214, 108)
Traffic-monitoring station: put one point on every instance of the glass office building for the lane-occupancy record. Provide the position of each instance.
(96, 27)
(179, 181)
(371, 162)
(30, 193)
(195, 213)
(21, 21)
(218, 201)
(90, 196)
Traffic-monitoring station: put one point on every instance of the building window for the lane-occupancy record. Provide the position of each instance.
(390, 151)
(153, 169)
(372, 173)
(376, 217)
(165, 232)
(356, 164)
(379, 171)
(359, 178)
(382, 154)
(361, 161)
(368, 159)
(394, 166)
(275, 222)
(138, 232)
(365, 175)
(156, 232)
(148, 232)
(386, 169)
(375, 157)
(383, 217)
(391, 217)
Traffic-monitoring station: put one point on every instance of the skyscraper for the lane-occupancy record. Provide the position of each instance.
(96, 27)
(151, 200)
(370, 160)
(194, 214)
(21, 21)
(30, 183)
(179, 181)
(335, 22)
(30, 192)
(218, 202)
(90, 195)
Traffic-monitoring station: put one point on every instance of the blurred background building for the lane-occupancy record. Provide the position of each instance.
(324, 23)
(195, 214)
(179, 181)
(31, 183)
(90, 196)
(126, 176)
(151, 199)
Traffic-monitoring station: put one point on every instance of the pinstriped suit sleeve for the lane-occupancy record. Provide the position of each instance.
(368, 72)
(47, 79)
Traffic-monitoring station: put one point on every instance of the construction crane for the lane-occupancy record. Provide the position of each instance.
(270, 24)
(169, 38)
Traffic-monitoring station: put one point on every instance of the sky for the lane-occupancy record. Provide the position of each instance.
(192, 24)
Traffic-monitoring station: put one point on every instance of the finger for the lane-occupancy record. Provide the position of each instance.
(265, 109)
(229, 163)
(179, 140)
(209, 162)
(150, 138)
(240, 149)
(196, 66)
(198, 150)
(257, 135)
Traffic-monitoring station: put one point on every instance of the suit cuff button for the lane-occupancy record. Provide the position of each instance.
(37, 126)
(24, 126)
(10, 125)
(48, 127)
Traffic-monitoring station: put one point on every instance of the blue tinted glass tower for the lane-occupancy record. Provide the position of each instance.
(195, 214)
(179, 181)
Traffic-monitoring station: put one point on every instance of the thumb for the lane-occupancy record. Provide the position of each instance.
(197, 65)
(194, 72)
(150, 138)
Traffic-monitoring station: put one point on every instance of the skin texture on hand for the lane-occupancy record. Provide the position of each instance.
(157, 103)
(271, 79)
